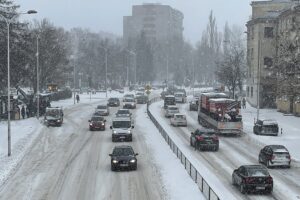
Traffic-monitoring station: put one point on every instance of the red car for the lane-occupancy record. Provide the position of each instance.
(97, 123)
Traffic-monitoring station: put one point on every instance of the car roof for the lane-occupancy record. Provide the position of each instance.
(278, 148)
(206, 130)
(172, 106)
(269, 121)
(253, 166)
(97, 116)
(123, 147)
(179, 114)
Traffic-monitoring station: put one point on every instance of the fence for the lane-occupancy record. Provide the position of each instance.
(207, 191)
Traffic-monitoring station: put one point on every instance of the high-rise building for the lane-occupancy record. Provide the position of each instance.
(156, 21)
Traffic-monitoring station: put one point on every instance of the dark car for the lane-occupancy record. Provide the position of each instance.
(169, 100)
(252, 178)
(194, 104)
(123, 157)
(266, 127)
(142, 99)
(97, 123)
(275, 155)
(113, 102)
(204, 139)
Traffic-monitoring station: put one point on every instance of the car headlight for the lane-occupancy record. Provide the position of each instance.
(91, 124)
(102, 124)
(58, 120)
(129, 131)
(46, 120)
(115, 161)
(114, 132)
(132, 161)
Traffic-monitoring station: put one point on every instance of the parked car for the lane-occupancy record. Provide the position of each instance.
(102, 110)
(113, 102)
(275, 155)
(97, 123)
(142, 99)
(252, 178)
(129, 103)
(180, 97)
(178, 120)
(171, 110)
(123, 157)
(204, 139)
(123, 113)
(194, 103)
(121, 129)
(266, 127)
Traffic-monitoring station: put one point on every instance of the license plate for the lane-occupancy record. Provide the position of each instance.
(122, 137)
(124, 165)
(260, 188)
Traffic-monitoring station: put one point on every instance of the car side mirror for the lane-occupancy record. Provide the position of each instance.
(132, 126)
(110, 154)
(110, 127)
(89, 120)
(192, 133)
(136, 154)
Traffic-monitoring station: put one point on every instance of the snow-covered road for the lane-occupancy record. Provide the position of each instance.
(233, 153)
(70, 162)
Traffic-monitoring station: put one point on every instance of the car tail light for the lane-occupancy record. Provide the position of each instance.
(200, 138)
(248, 180)
(269, 179)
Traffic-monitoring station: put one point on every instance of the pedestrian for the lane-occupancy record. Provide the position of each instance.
(23, 112)
(244, 103)
(77, 98)
(27, 112)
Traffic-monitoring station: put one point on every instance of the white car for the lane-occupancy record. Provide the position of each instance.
(180, 97)
(102, 110)
(129, 103)
(178, 120)
(171, 110)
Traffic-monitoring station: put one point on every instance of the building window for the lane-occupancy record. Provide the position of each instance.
(252, 33)
(269, 32)
(252, 54)
(247, 91)
(268, 62)
(251, 91)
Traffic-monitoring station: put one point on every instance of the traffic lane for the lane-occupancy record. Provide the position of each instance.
(239, 151)
(218, 162)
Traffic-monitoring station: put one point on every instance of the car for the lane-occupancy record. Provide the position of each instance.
(178, 120)
(139, 93)
(128, 96)
(252, 178)
(129, 103)
(169, 100)
(275, 155)
(180, 97)
(113, 102)
(121, 129)
(123, 113)
(142, 99)
(102, 110)
(204, 139)
(266, 127)
(54, 116)
(194, 103)
(97, 123)
(123, 157)
(170, 111)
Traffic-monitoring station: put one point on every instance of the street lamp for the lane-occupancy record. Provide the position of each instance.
(37, 76)
(134, 54)
(8, 22)
(105, 49)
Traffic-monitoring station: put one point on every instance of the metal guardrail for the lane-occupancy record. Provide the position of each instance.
(203, 186)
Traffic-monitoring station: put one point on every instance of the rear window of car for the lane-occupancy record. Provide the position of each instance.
(172, 108)
(97, 118)
(129, 100)
(256, 172)
(101, 107)
(180, 116)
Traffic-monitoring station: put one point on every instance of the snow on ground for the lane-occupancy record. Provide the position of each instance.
(290, 125)
(174, 176)
(24, 132)
(206, 173)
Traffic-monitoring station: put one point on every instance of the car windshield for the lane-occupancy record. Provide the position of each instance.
(256, 171)
(179, 116)
(173, 108)
(199, 132)
(129, 100)
(113, 99)
(121, 124)
(96, 119)
(123, 152)
(53, 113)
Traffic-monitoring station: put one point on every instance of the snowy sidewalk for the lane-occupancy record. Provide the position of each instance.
(290, 125)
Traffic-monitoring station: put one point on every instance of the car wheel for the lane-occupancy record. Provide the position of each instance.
(268, 164)
(134, 168)
(216, 148)
(113, 168)
(113, 139)
(191, 143)
(242, 189)
(91, 129)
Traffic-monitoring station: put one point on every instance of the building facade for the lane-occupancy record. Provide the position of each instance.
(262, 51)
(158, 22)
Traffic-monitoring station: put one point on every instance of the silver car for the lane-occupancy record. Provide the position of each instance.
(178, 120)
(171, 110)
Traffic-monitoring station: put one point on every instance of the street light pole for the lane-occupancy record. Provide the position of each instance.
(8, 22)
(258, 79)
(74, 83)
(106, 71)
(37, 77)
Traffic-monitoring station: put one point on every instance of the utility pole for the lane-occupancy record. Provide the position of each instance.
(37, 77)
(74, 84)
(258, 78)
(106, 71)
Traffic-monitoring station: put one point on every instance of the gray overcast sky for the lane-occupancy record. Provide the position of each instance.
(107, 15)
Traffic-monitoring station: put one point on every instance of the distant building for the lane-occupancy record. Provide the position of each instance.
(263, 33)
(158, 22)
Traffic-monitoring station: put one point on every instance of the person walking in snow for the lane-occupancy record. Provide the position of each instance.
(23, 112)
(77, 98)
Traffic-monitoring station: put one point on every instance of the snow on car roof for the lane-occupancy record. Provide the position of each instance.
(222, 100)
(178, 114)
(169, 96)
(269, 122)
(121, 119)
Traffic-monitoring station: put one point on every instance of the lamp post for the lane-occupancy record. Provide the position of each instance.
(134, 54)
(37, 77)
(105, 49)
(8, 22)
